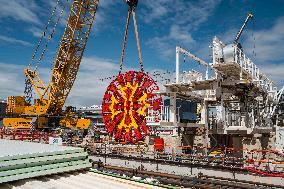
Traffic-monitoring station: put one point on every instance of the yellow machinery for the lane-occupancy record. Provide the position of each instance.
(46, 111)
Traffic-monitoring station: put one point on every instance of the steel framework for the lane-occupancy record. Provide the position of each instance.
(70, 52)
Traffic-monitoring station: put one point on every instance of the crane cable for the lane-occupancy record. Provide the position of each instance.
(28, 85)
(131, 10)
(51, 35)
(43, 33)
(137, 40)
(124, 40)
(254, 41)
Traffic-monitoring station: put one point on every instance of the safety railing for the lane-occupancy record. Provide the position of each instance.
(156, 117)
(237, 157)
(27, 135)
(248, 66)
(187, 77)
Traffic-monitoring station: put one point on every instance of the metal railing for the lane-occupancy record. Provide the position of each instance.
(250, 68)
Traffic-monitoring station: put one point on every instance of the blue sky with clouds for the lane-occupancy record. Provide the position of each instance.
(162, 25)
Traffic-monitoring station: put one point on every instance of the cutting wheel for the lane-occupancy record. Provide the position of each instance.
(126, 103)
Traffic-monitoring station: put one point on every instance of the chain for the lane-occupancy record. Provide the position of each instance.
(28, 86)
(107, 78)
(43, 33)
(51, 35)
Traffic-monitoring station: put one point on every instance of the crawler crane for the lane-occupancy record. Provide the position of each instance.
(46, 111)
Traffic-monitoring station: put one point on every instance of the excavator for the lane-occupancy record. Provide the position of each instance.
(46, 112)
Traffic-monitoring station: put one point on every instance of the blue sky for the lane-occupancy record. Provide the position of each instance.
(162, 25)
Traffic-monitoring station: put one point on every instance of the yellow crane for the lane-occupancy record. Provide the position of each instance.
(46, 111)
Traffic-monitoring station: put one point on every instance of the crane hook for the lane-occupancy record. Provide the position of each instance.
(132, 3)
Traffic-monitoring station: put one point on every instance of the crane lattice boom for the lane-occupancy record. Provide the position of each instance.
(47, 110)
(70, 52)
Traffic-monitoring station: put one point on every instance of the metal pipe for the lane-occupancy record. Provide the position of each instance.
(242, 28)
(177, 65)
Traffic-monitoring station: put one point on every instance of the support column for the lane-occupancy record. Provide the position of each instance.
(241, 66)
(177, 65)
(204, 112)
(173, 107)
(223, 114)
(204, 120)
(207, 125)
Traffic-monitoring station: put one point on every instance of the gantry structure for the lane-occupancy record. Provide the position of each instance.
(235, 97)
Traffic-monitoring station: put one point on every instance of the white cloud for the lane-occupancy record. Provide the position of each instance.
(165, 45)
(11, 80)
(268, 43)
(12, 40)
(98, 64)
(105, 16)
(87, 89)
(19, 10)
(274, 72)
(162, 46)
(180, 17)
(35, 31)
(155, 10)
(187, 14)
(178, 34)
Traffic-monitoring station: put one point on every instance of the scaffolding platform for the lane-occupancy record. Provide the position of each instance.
(233, 70)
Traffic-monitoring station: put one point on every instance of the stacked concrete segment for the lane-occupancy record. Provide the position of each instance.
(21, 160)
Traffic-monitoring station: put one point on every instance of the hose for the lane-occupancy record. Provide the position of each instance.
(259, 172)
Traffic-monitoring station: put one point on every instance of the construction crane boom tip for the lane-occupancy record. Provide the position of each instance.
(250, 14)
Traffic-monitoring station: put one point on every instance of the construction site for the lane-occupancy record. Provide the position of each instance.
(217, 124)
